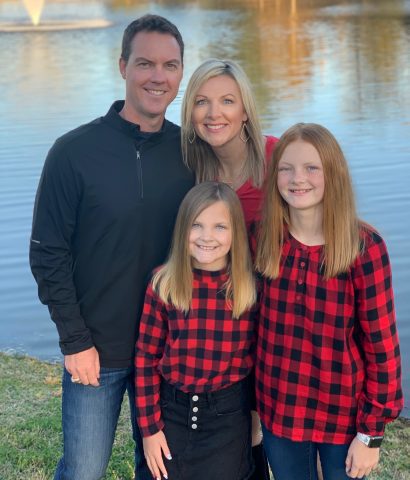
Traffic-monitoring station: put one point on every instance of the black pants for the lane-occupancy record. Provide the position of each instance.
(209, 434)
(260, 461)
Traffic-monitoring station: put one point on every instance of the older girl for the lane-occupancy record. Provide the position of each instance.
(328, 362)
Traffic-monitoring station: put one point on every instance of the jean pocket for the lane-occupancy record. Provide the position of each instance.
(231, 404)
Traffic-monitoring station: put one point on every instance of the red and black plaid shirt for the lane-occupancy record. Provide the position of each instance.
(201, 351)
(328, 359)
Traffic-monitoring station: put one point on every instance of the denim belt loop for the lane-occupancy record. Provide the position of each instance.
(174, 393)
(210, 398)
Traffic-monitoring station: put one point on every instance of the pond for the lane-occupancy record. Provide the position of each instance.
(344, 64)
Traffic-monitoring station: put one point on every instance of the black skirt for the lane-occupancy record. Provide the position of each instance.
(208, 434)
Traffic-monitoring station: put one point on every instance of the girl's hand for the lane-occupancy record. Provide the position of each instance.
(256, 429)
(154, 447)
(361, 459)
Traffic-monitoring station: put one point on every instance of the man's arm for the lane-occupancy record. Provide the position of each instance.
(51, 260)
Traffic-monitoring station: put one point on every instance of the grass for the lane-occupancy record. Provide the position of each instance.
(30, 428)
(30, 423)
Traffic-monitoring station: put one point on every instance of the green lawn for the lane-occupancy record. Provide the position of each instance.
(30, 430)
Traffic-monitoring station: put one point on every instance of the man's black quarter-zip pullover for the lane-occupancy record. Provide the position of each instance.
(103, 219)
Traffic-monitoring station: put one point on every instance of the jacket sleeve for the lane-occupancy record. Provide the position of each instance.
(51, 260)
(381, 398)
(149, 351)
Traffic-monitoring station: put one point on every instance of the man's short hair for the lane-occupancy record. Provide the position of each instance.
(149, 23)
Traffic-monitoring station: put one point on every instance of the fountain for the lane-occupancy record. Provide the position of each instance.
(34, 9)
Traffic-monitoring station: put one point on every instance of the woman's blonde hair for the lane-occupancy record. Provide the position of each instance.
(173, 281)
(199, 155)
(341, 226)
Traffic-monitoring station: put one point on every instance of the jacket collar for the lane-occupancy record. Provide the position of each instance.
(115, 120)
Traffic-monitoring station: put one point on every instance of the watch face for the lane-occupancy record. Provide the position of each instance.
(371, 442)
(375, 442)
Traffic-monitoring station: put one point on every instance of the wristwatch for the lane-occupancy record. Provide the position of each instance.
(371, 442)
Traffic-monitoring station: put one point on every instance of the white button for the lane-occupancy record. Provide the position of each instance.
(194, 426)
(194, 419)
(195, 398)
(195, 409)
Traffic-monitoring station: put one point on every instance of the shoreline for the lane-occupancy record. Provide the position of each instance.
(57, 360)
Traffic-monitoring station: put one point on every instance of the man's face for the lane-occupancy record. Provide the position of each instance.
(152, 75)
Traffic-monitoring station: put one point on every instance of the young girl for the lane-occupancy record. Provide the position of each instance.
(194, 352)
(328, 361)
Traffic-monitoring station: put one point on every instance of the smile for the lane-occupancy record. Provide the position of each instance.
(301, 191)
(205, 247)
(157, 93)
(215, 127)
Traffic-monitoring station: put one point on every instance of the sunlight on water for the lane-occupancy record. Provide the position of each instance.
(34, 9)
(341, 63)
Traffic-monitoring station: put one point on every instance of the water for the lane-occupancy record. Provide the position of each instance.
(344, 64)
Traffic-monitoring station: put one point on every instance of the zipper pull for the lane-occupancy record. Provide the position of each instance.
(139, 163)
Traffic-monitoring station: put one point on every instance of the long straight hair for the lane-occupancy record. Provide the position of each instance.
(341, 226)
(199, 155)
(173, 281)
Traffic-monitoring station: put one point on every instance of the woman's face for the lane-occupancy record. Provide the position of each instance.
(218, 112)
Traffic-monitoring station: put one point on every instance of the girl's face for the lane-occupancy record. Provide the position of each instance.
(218, 111)
(210, 238)
(301, 181)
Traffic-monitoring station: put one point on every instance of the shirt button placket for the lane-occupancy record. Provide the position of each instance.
(300, 282)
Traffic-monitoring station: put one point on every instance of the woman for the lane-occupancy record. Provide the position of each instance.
(221, 135)
(222, 140)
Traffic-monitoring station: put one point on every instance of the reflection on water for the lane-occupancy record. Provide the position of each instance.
(344, 64)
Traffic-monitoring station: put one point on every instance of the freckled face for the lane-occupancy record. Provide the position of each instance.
(218, 111)
(210, 238)
(301, 181)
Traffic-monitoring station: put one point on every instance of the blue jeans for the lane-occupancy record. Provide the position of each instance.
(291, 460)
(90, 415)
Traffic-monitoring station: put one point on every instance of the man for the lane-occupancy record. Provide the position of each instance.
(103, 219)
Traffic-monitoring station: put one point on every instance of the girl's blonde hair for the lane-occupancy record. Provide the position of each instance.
(173, 281)
(198, 155)
(341, 226)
